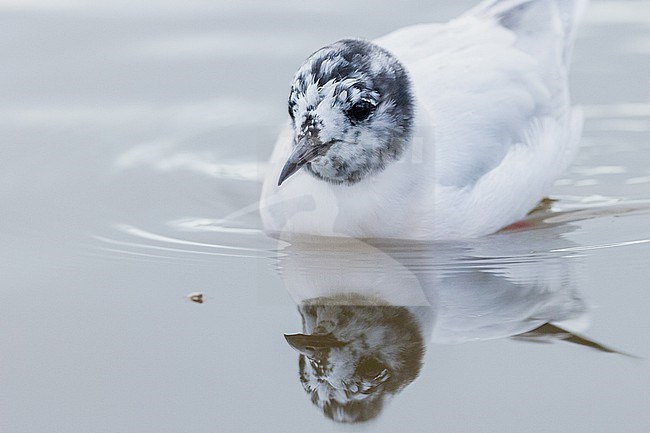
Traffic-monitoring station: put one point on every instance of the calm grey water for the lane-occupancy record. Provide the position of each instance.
(132, 142)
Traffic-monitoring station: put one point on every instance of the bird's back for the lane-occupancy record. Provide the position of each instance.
(484, 77)
(492, 86)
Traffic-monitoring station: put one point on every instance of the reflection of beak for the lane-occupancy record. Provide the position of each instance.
(307, 148)
(309, 345)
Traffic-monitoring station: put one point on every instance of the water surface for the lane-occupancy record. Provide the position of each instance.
(133, 140)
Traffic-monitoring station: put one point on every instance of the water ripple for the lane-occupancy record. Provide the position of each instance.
(541, 238)
(141, 241)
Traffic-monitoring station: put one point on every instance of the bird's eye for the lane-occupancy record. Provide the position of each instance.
(361, 110)
(370, 368)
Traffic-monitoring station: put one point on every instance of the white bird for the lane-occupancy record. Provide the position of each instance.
(434, 131)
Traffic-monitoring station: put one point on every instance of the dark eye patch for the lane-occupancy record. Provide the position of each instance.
(369, 368)
(361, 110)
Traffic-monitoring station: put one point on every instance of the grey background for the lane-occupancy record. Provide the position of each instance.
(119, 120)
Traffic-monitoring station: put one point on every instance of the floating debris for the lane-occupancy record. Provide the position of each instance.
(196, 297)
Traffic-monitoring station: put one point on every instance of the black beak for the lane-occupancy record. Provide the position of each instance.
(307, 148)
(309, 345)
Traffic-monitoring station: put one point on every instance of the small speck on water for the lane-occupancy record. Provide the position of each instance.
(196, 297)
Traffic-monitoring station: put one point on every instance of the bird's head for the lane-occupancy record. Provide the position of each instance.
(351, 108)
(353, 357)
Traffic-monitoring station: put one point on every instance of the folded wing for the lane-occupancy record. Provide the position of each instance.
(490, 80)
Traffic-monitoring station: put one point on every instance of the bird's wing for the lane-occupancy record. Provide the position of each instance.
(530, 17)
(489, 81)
(482, 305)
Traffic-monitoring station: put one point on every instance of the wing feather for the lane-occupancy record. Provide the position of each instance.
(482, 81)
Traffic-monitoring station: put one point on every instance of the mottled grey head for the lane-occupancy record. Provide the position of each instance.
(352, 112)
(353, 357)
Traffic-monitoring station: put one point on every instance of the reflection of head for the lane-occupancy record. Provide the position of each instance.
(352, 356)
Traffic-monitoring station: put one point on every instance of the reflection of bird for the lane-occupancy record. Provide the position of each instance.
(353, 356)
(433, 131)
(369, 308)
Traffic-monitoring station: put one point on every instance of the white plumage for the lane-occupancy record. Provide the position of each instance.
(493, 128)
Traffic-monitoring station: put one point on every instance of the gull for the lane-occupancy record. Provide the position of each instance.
(434, 131)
